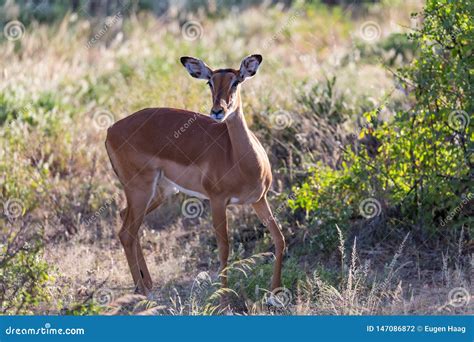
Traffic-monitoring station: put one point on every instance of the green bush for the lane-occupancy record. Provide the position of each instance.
(419, 162)
(23, 274)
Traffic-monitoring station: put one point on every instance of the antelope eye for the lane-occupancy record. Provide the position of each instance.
(235, 84)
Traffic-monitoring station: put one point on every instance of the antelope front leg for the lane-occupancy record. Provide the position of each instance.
(219, 221)
(265, 215)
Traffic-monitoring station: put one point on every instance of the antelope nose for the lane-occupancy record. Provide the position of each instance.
(217, 114)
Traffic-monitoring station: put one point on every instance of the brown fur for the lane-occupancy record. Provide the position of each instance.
(222, 161)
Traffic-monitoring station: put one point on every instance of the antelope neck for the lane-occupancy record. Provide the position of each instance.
(239, 134)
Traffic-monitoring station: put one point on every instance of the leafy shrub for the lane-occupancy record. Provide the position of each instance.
(422, 158)
(320, 199)
(23, 275)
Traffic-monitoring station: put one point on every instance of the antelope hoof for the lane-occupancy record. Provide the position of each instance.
(142, 290)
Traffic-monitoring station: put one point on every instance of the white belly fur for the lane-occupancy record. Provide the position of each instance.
(175, 188)
(171, 187)
(244, 200)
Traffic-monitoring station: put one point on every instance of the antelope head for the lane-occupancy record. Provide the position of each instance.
(224, 83)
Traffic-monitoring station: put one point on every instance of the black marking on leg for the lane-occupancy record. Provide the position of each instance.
(141, 273)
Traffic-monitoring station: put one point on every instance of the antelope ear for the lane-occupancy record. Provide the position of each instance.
(196, 68)
(249, 66)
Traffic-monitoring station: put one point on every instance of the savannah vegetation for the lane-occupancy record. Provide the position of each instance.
(364, 109)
